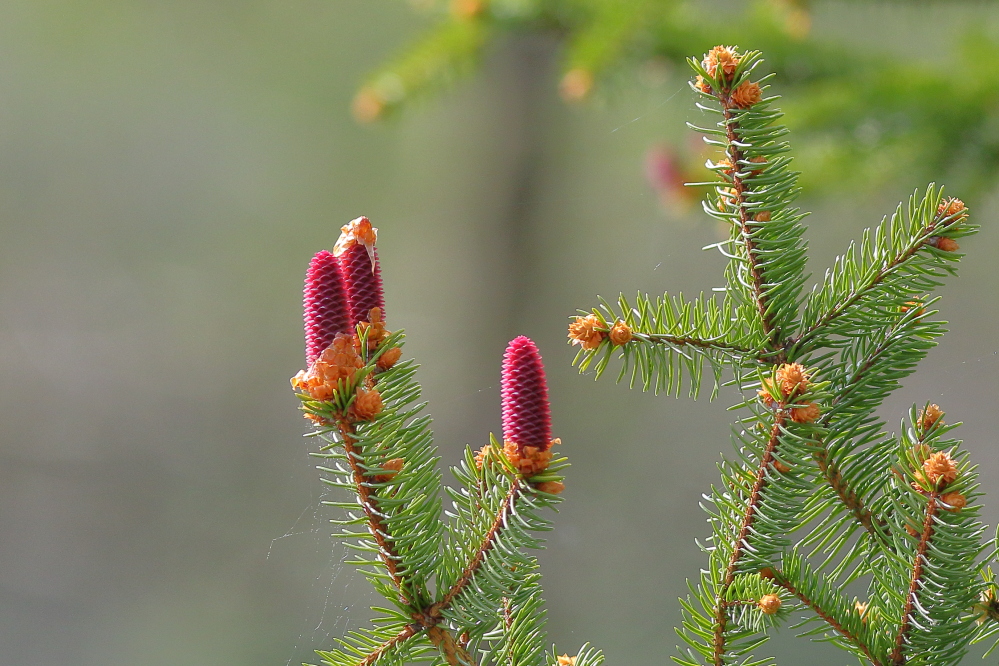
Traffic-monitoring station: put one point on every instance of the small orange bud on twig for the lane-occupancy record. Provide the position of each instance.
(940, 469)
(529, 460)
(725, 58)
(389, 358)
(944, 243)
(367, 405)
(954, 501)
(551, 487)
(620, 333)
(806, 414)
(951, 207)
(481, 454)
(930, 416)
(566, 660)
(583, 332)
(914, 305)
(769, 603)
(391, 467)
(792, 379)
(747, 94)
(337, 362)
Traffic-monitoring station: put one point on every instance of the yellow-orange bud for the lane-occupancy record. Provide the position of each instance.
(747, 94)
(620, 333)
(806, 414)
(721, 57)
(583, 332)
(930, 416)
(769, 603)
(955, 501)
(389, 358)
(940, 469)
(367, 405)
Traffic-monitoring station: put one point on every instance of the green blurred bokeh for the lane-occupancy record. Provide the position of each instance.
(166, 171)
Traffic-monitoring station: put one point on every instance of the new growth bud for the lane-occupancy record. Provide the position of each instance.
(940, 469)
(724, 58)
(361, 272)
(325, 305)
(930, 416)
(769, 603)
(620, 334)
(747, 94)
(583, 332)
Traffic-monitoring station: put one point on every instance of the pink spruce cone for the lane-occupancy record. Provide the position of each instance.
(325, 304)
(362, 271)
(526, 414)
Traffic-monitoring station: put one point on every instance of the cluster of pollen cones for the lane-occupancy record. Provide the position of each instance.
(343, 295)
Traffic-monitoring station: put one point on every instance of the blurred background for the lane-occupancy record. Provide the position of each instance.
(167, 169)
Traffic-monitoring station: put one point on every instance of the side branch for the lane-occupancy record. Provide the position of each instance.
(408, 632)
(829, 619)
(915, 583)
(375, 524)
(828, 467)
(710, 345)
(846, 494)
(721, 606)
(435, 611)
(875, 280)
(755, 270)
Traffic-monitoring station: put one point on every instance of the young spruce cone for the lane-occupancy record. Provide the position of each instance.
(325, 305)
(361, 271)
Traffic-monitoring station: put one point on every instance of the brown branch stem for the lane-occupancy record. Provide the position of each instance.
(452, 650)
(755, 271)
(480, 554)
(375, 524)
(829, 468)
(897, 656)
(829, 619)
(687, 341)
(408, 632)
(721, 606)
(875, 280)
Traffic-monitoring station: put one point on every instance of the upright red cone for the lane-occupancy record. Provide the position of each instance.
(526, 413)
(325, 304)
(362, 273)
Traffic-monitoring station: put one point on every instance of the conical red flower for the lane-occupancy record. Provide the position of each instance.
(526, 414)
(325, 304)
(361, 270)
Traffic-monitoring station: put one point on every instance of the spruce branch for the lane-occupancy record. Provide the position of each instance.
(478, 557)
(811, 453)
(741, 541)
(915, 582)
(368, 501)
(895, 264)
(818, 594)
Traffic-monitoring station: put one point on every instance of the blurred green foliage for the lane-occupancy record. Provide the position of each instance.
(863, 115)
